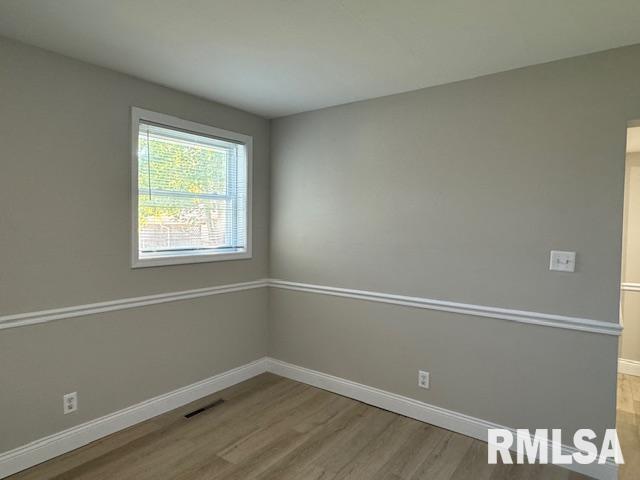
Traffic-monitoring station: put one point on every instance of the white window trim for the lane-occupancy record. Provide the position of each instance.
(138, 114)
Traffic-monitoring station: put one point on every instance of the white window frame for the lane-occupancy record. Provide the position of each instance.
(138, 115)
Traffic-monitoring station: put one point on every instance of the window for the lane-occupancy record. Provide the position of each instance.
(191, 192)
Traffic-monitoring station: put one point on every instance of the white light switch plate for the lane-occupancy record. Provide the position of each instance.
(562, 261)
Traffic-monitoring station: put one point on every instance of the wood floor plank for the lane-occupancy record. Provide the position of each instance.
(474, 464)
(409, 457)
(269, 455)
(444, 459)
(81, 456)
(628, 425)
(335, 407)
(322, 438)
(222, 426)
(199, 465)
(377, 453)
(141, 464)
(291, 413)
(374, 421)
(625, 394)
(634, 383)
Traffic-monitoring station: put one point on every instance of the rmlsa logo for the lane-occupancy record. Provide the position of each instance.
(535, 448)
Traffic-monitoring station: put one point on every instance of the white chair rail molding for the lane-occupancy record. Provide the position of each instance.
(519, 316)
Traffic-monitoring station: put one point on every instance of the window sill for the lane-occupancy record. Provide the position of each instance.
(172, 259)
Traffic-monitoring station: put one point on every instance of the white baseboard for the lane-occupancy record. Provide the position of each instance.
(49, 447)
(454, 421)
(630, 367)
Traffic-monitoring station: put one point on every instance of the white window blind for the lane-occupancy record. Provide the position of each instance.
(191, 194)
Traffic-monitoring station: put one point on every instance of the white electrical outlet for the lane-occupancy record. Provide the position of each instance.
(423, 379)
(70, 402)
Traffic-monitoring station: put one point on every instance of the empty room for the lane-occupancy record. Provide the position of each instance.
(319, 239)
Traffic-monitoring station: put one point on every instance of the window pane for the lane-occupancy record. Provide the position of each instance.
(191, 193)
(175, 223)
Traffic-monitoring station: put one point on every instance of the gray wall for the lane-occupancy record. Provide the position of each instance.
(630, 302)
(65, 236)
(459, 192)
(114, 360)
(520, 376)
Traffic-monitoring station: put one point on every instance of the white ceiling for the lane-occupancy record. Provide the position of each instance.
(276, 57)
(633, 140)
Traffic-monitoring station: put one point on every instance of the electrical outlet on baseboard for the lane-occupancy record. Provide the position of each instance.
(70, 402)
(423, 379)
